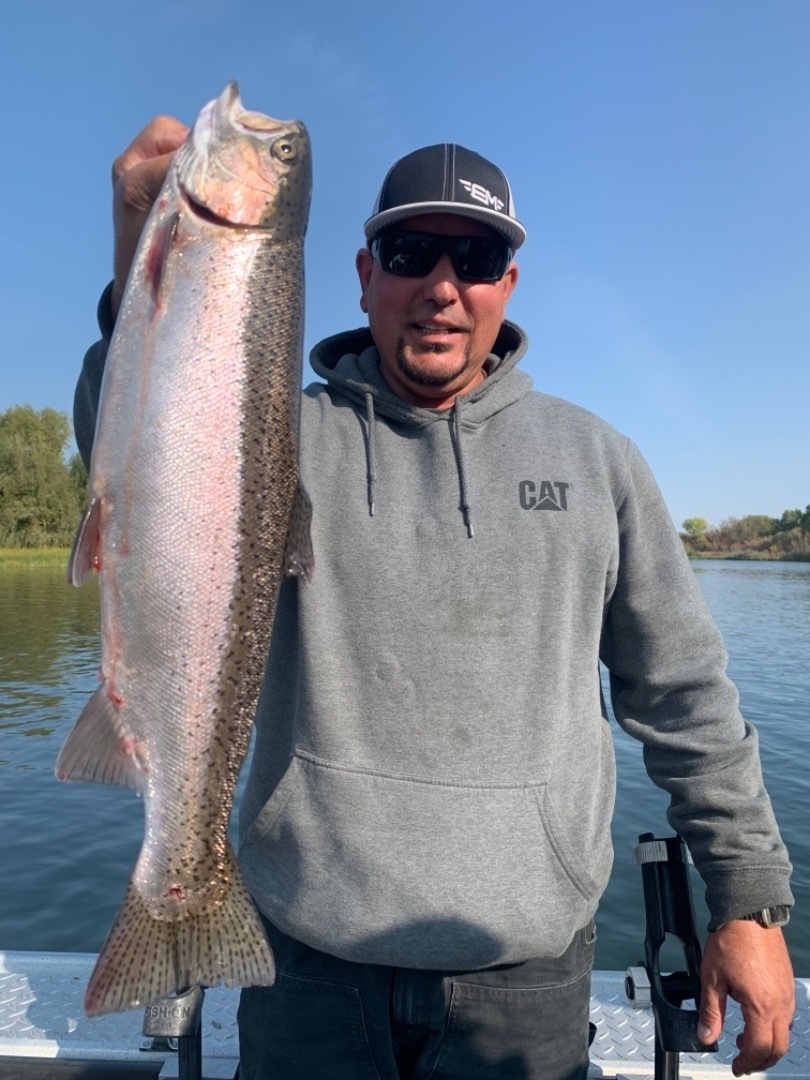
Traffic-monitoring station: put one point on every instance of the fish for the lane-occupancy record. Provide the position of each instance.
(196, 515)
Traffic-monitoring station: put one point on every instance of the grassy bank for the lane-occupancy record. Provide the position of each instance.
(17, 557)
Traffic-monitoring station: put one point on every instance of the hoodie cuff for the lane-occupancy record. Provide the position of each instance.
(732, 894)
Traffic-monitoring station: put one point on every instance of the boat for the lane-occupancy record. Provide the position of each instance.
(44, 1034)
(643, 1021)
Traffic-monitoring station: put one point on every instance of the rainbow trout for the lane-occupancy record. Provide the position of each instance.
(195, 517)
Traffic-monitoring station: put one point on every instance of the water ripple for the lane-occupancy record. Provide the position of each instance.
(68, 849)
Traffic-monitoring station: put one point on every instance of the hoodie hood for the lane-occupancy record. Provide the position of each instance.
(350, 362)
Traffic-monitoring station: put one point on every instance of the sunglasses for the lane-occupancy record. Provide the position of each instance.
(414, 254)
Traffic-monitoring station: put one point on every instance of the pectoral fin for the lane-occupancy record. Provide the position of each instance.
(85, 553)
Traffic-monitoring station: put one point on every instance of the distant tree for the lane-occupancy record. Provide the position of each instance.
(41, 495)
(695, 526)
(78, 474)
(761, 524)
(742, 530)
(790, 519)
(754, 536)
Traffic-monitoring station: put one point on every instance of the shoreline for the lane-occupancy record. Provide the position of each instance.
(749, 556)
(20, 557)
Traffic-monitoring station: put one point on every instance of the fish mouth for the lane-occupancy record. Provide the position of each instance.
(256, 123)
(206, 214)
(228, 109)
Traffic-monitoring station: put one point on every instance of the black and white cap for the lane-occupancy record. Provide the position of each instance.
(446, 179)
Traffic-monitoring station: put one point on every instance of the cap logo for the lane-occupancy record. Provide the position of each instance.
(481, 194)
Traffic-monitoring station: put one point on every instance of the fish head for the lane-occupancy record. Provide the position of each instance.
(243, 168)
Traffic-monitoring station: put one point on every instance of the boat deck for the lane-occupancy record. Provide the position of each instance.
(44, 1034)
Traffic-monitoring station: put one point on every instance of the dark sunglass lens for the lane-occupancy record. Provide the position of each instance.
(408, 254)
(478, 258)
(414, 254)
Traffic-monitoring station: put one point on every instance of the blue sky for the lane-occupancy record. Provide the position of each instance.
(658, 151)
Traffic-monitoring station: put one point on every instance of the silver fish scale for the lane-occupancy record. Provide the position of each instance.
(41, 1017)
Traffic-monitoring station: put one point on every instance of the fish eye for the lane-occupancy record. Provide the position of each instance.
(285, 150)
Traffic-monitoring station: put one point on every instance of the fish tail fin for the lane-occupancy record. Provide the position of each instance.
(145, 958)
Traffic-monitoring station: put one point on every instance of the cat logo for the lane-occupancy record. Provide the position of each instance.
(481, 194)
(547, 495)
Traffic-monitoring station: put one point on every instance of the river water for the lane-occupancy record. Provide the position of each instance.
(68, 849)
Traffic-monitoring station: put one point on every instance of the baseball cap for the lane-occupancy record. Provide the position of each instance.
(446, 179)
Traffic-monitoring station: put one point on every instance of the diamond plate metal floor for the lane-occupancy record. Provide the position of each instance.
(41, 1017)
(624, 1043)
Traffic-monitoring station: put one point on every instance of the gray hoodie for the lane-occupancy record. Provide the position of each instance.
(433, 777)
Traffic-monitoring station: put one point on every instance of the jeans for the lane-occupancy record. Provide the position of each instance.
(331, 1019)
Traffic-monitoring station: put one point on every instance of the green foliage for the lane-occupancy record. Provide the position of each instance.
(743, 530)
(695, 526)
(756, 536)
(792, 519)
(41, 495)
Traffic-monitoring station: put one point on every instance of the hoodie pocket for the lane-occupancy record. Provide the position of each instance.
(404, 871)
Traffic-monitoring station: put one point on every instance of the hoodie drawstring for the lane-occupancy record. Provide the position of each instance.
(371, 467)
(462, 471)
(458, 448)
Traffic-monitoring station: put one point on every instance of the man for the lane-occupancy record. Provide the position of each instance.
(425, 827)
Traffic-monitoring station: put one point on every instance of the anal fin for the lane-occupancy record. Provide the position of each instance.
(99, 749)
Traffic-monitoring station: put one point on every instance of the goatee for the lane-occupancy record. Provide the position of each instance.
(425, 377)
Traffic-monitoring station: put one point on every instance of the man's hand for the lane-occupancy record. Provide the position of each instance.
(138, 176)
(749, 963)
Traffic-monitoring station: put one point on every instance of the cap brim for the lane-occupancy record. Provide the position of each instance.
(508, 227)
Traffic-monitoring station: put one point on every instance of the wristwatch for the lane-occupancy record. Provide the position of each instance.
(776, 915)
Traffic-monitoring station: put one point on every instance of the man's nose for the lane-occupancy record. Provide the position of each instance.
(442, 285)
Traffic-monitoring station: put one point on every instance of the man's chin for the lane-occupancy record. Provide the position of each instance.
(431, 365)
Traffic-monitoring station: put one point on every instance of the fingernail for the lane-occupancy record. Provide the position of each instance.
(704, 1033)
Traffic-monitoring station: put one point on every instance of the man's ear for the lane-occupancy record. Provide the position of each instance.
(364, 263)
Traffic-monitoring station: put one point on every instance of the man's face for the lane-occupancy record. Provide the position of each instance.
(433, 333)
